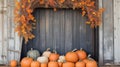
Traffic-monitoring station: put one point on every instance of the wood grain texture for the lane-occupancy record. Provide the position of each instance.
(116, 32)
(101, 37)
(108, 32)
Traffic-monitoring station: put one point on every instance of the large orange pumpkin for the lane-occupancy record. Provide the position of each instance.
(44, 65)
(53, 64)
(35, 64)
(26, 62)
(80, 64)
(68, 64)
(54, 56)
(71, 56)
(81, 54)
(60, 64)
(90, 62)
(13, 63)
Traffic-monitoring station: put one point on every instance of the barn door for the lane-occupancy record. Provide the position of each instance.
(62, 30)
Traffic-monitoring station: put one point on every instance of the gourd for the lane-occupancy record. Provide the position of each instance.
(26, 62)
(54, 56)
(80, 64)
(62, 58)
(68, 64)
(35, 64)
(13, 63)
(81, 54)
(53, 64)
(71, 56)
(47, 52)
(42, 59)
(90, 62)
(33, 54)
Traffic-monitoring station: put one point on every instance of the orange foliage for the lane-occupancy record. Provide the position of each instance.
(24, 19)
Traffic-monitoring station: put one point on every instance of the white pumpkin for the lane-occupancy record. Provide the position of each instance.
(42, 59)
(47, 52)
(62, 58)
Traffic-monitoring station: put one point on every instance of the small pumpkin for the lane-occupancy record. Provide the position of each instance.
(80, 64)
(13, 63)
(47, 52)
(42, 59)
(53, 64)
(68, 64)
(26, 62)
(71, 56)
(81, 54)
(44, 65)
(62, 58)
(33, 54)
(54, 56)
(90, 62)
(35, 64)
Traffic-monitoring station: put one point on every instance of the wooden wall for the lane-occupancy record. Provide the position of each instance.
(109, 33)
(10, 46)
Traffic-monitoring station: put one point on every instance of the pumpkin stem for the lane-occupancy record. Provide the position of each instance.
(74, 50)
(31, 48)
(81, 48)
(48, 49)
(55, 51)
(89, 55)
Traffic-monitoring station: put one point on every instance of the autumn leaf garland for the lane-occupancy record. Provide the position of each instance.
(25, 21)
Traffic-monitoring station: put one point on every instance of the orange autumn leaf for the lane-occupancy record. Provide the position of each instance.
(61, 1)
(51, 3)
(42, 1)
(29, 11)
(83, 13)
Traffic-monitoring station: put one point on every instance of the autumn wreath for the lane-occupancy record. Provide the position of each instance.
(25, 21)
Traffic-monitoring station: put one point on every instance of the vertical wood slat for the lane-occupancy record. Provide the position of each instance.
(68, 31)
(116, 32)
(1, 60)
(101, 38)
(108, 32)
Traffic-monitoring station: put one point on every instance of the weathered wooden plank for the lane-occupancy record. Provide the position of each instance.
(116, 32)
(42, 30)
(108, 31)
(68, 31)
(62, 32)
(101, 38)
(1, 60)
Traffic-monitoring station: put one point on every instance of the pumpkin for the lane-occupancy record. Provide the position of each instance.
(54, 56)
(13, 63)
(68, 64)
(53, 64)
(33, 54)
(26, 62)
(71, 56)
(90, 62)
(81, 54)
(62, 58)
(80, 64)
(42, 59)
(47, 52)
(44, 65)
(35, 64)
